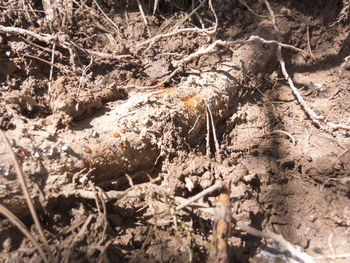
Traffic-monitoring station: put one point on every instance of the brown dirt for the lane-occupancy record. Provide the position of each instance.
(97, 128)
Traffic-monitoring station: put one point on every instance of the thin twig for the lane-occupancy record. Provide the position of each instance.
(201, 3)
(251, 10)
(334, 256)
(253, 38)
(202, 51)
(49, 39)
(92, 186)
(42, 60)
(336, 126)
(282, 132)
(108, 196)
(215, 27)
(195, 124)
(216, 186)
(14, 220)
(23, 184)
(151, 41)
(16, 30)
(279, 239)
(313, 116)
(222, 225)
(208, 134)
(105, 225)
(141, 11)
(52, 64)
(308, 43)
(180, 63)
(109, 20)
(216, 143)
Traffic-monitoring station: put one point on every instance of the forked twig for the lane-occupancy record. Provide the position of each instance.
(253, 38)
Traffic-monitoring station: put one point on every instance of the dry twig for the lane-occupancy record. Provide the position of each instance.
(243, 2)
(282, 132)
(218, 185)
(23, 184)
(14, 220)
(207, 147)
(280, 44)
(142, 13)
(61, 41)
(313, 116)
(308, 43)
(216, 143)
(109, 20)
(279, 239)
(207, 31)
(222, 226)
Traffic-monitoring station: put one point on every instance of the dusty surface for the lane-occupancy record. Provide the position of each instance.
(97, 128)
